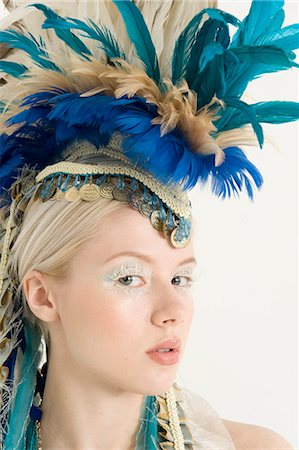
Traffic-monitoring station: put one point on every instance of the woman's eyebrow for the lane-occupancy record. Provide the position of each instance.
(148, 259)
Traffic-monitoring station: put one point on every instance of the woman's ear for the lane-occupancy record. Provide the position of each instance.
(39, 298)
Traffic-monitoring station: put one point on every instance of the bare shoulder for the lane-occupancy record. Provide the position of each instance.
(254, 437)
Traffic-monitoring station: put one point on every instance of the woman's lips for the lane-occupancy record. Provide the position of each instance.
(165, 358)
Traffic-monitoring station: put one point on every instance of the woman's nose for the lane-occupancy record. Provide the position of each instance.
(171, 307)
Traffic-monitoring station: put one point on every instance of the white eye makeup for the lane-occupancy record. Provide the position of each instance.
(188, 275)
(133, 277)
(129, 278)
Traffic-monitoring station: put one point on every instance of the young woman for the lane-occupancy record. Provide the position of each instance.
(100, 142)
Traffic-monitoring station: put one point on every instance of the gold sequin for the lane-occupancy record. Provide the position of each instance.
(106, 190)
(156, 220)
(72, 194)
(178, 244)
(89, 192)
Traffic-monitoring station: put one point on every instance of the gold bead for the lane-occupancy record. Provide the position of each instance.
(39, 435)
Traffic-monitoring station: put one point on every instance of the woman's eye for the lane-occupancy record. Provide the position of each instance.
(127, 280)
(187, 282)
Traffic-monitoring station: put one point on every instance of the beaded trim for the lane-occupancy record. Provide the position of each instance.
(88, 187)
(166, 205)
(172, 195)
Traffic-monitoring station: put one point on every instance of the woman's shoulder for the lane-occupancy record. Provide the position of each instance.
(255, 437)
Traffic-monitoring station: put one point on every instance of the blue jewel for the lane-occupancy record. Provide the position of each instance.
(134, 185)
(162, 212)
(120, 182)
(64, 186)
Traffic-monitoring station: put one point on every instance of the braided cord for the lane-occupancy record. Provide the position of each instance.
(174, 421)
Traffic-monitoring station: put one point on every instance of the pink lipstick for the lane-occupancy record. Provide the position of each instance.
(167, 352)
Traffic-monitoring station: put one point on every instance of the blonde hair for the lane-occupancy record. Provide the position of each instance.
(51, 234)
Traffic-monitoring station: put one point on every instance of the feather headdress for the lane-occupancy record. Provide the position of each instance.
(169, 76)
(179, 113)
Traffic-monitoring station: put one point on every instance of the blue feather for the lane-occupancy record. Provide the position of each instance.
(232, 175)
(140, 37)
(10, 160)
(53, 20)
(12, 68)
(30, 45)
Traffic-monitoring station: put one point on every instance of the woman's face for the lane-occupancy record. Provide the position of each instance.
(127, 291)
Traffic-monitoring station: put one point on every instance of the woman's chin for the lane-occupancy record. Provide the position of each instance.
(160, 386)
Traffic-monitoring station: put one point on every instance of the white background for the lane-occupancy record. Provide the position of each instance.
(242, 351)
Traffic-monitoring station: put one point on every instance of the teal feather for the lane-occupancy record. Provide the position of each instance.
(277, 111)
(101, 34)
(19, 417)
(274, 57)
(36, 50)
(247, 110)
(31, 436)
(253, 26)
(11, 68)
(140, 37)
(210, 81)
(240, 69)
(183, 47)
(275, 23)
(223, 16)
(52, 21)
(268, 112)
(147, 435)
(209, 52)
(205, 71)
(287, 38)
(188, 37)
(212, 31)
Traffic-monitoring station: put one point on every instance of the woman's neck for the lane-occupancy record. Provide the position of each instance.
(80, 413)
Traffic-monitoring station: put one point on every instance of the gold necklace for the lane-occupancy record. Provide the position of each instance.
(172, 415)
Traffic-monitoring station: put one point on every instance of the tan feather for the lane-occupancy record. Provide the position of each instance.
(237, 137)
